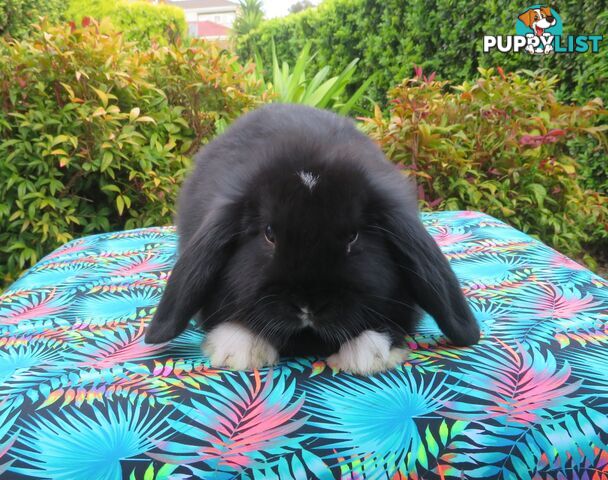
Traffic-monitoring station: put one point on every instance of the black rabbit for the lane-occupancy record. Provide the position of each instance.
(297, 236)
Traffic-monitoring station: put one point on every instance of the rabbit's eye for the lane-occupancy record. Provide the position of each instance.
(269, 234)
(351, 240)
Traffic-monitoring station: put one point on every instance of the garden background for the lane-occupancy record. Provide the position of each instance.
(103, 103)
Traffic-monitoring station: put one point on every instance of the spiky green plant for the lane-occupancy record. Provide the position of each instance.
(249, 18)
(293, 85)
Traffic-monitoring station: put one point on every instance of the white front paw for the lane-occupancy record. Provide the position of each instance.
(236, 347)
(368, 353)
(548, 48)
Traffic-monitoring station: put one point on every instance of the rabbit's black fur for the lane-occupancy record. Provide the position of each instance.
(317, 181)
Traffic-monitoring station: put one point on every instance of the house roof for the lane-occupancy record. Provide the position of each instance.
(211, 29)
(202, 3)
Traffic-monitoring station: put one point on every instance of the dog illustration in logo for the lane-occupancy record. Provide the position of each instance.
(538, 20)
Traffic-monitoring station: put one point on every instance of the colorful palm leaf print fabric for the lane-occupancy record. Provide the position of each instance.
(82, 397)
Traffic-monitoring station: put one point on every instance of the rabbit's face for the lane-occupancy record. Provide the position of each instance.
(311, 254)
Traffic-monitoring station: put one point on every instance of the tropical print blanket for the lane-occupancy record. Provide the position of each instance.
(82, 397)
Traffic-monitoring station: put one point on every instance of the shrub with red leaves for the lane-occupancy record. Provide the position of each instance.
(498, 144)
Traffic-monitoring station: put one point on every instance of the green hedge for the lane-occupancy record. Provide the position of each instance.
(445, 36)
(17, 16)
(96, 135)
(140, 21)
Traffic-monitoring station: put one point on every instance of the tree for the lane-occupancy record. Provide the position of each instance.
(300, 5)
(250, 16)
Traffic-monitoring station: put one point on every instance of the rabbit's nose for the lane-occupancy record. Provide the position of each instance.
(305, 315)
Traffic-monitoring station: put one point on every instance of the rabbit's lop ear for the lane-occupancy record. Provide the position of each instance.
(193, 275)
(433, 284)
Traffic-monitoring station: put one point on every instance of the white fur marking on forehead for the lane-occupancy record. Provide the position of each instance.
(308, 179)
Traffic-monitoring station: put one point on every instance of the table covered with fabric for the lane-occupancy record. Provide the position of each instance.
(83, 397)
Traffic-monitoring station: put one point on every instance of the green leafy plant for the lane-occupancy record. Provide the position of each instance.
(591, 155)
(96, 135)
(294, 85)
(16, 16)
(139, 20)
(498, 144)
